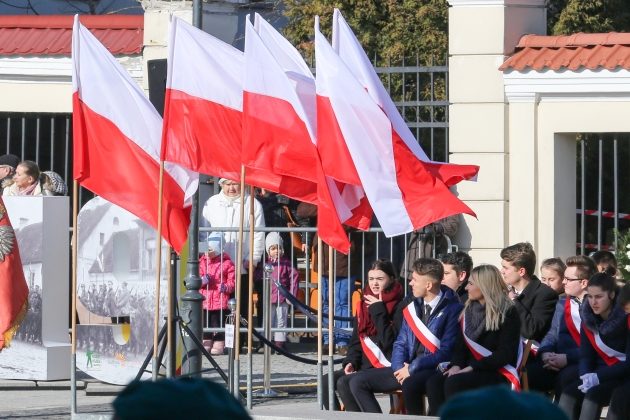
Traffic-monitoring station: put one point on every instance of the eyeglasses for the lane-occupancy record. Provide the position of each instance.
(570, 279)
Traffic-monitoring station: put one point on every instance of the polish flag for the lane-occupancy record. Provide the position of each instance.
(349, 49)
(203, 107)
(405, 196)
(278, 136)
(349, 200)
(117, 134)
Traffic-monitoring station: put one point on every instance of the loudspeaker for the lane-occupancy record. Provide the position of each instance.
(157, 83)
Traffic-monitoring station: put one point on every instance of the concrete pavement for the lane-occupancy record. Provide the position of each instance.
(51, 400)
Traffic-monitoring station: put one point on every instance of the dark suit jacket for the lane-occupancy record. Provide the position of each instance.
(536, 305)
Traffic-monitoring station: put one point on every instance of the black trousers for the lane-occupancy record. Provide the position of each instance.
(619, 408)
(414, 389)
(545, 380)
(213, 319)
(366, 382)
(440, 388)
(587, 406)
(341, 382)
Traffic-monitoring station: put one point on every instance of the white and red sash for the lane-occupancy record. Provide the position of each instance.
(478, 351)
(572, 318)
(420, 330)
(374, 353)
(609, 355)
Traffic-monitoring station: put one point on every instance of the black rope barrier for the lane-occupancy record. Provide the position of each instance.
(304, 308)
(285, 352)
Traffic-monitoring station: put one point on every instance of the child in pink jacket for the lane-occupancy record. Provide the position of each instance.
(284, 273)
(216, 270)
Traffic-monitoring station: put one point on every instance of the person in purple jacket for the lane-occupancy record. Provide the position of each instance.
(426, 338)
(283, 273)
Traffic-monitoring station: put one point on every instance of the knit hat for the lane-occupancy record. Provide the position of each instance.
(182, 398)
(215, 240)
(9, 160)
(54, 183)
(498, 402)
(273, 238)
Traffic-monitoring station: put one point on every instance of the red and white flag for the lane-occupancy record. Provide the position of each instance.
(117, 134)
(203, 107)
(350, 200)
(349, 49)
(278, 137)
(404, 195)
(13, 287)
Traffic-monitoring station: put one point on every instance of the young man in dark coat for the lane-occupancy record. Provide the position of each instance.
(535, 302)
(431, 315)
(457, 268)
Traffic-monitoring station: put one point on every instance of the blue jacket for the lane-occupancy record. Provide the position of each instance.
(443, 323)
(559, 339)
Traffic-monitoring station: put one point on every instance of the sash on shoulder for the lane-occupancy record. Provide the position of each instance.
(374, 353)
(420, 330)
(572, 318)
(478, 351)
(609, 355)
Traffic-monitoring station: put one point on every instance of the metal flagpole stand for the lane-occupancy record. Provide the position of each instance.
(267, 392)
(231, 320)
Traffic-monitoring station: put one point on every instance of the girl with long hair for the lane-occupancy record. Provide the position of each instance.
(488, 343)
(373, 333)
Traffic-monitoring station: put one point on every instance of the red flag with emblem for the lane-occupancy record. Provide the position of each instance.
(13, 287)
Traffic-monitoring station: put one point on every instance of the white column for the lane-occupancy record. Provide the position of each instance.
(481, 34)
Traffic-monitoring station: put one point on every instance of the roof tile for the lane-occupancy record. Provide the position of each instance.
(573, 52)
(52, 35)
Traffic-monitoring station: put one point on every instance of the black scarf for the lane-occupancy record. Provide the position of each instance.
(475, 320)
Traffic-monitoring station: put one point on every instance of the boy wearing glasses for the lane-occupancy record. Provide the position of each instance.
(557, 361)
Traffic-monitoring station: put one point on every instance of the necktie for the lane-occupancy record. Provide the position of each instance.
(427, 312)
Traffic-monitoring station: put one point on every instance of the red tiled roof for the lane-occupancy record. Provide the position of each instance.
(591, 51)
(52, 35)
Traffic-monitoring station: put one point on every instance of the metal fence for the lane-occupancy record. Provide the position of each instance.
(369, 246)
(603, 205)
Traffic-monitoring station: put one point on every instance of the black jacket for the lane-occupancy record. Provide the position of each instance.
(536, 305)
(503, 344)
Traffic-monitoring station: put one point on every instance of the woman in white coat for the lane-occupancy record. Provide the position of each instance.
(223, 210)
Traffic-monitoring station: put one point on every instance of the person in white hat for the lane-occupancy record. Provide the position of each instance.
(284, 274)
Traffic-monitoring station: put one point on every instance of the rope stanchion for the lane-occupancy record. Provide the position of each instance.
(302, 307)
(283, 351)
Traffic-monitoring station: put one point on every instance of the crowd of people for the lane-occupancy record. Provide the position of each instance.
(460, 328)
(464, 328)
(24, 178)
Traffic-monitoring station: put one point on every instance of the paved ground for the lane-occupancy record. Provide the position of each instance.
(51, 400)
